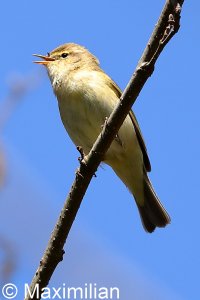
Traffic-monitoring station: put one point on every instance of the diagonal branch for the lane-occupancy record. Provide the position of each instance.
(167, 26)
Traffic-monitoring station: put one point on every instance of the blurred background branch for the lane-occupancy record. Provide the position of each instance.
(8, 260)
(19, 86)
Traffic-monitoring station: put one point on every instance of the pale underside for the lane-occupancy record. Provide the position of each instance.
(84, 109)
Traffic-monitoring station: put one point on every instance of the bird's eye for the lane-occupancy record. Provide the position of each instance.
(48, 54)
(64, 55)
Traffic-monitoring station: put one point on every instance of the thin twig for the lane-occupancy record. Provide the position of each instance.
(161, 35)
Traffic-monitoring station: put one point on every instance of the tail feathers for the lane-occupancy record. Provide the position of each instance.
(152, 213)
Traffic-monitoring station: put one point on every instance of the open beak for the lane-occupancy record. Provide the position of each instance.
(45, 61)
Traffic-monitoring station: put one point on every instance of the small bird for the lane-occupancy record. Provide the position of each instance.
(86, 97)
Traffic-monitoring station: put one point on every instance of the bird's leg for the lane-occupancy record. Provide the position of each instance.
(80, 150)
(81, 159)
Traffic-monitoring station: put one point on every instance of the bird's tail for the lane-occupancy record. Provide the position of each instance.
(152, 212)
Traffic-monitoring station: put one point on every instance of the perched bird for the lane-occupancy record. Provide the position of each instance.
(86, 97)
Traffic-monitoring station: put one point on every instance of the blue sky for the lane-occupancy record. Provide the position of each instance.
(39, 152)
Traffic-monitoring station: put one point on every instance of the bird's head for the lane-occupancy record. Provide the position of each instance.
(67, 58)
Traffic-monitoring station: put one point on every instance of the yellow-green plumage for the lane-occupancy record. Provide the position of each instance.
(86, 97)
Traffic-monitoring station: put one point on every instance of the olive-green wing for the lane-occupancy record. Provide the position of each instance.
(147, 163)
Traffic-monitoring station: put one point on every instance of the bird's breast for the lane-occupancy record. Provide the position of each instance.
(82, 114)
(84, 105)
